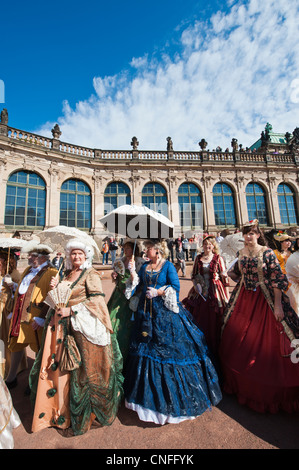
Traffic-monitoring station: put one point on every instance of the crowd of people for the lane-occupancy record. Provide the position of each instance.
(166, 359)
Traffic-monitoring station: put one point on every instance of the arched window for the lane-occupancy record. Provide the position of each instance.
(287, 204)
(256, 203)
(75, 204)
(25, 200)
(190, 206)
(154, 197)
(224, 205)
(116, 194)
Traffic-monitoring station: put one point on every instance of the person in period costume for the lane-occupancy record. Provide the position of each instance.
(76, 379)
(292, 271)
(209, 295)
(283, 242)
(258, 330)
(9, 279)
(170, 376)
(26, 325)
(120, 305)
(9, 418)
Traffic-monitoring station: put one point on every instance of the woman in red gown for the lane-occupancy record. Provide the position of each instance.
(257, 355)
(209, 296)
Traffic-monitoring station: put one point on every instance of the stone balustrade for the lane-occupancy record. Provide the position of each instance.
(201, 156)
(29, 138)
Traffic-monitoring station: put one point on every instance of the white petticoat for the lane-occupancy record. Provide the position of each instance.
(144, 414)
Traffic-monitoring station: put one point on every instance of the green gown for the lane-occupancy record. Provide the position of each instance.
(121, 314)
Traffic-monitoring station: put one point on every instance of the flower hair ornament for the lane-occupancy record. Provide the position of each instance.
(282, 236)
(251, 223)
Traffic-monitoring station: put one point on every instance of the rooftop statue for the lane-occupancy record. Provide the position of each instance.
(169, 143)
(56, 132)
(4, 116)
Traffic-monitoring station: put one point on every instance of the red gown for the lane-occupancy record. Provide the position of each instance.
(207, 314)
(255, 351)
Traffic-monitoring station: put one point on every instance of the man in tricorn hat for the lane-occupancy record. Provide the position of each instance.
(27, 320)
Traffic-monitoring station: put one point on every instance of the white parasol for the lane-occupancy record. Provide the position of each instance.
(230, 245)
(57, 238)
(13, 243)
(138, 222)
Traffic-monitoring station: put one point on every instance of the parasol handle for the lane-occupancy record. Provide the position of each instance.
(133, 256)
(59, 271)
(8, 257)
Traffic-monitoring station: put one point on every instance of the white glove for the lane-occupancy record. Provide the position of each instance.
(151, 292)
(8, 280)
(132, 266)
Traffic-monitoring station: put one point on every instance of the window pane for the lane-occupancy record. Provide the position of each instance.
(287, 205)
(75, 204)
(224, 206)
(22, 198)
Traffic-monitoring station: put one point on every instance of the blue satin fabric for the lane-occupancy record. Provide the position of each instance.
(172, 372)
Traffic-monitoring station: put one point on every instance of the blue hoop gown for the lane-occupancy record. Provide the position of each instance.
(170, 376)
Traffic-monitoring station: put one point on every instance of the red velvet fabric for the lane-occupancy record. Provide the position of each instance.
(252, 353)
(17, 314)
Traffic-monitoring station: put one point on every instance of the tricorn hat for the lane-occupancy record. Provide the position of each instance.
(36, 247)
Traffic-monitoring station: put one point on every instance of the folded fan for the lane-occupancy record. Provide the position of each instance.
(59, 296)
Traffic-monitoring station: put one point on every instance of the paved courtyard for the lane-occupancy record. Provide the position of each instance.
(227, 426)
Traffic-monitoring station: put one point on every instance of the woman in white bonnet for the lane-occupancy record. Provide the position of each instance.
(90, 393)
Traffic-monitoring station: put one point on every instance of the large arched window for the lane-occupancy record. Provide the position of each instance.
(224, 205)
(287, 204)
(256, 203)
(155, 198)
(190, 206)
(116, 194)
(25, 200)
(75, 204)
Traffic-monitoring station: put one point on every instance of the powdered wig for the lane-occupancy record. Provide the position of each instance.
(76, 244)
(160, 246)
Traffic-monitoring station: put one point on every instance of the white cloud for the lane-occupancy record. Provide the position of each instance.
(231, 76)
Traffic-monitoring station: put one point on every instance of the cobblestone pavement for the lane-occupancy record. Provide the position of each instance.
(227, 426)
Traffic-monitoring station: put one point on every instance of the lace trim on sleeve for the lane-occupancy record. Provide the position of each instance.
(89, 325)
(131, 286)
(170, 299)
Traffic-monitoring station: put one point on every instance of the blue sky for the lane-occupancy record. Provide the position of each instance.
(107, 71)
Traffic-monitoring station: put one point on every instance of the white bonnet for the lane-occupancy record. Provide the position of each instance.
(79, 244)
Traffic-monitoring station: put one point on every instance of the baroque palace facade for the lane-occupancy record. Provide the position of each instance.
(46, 182)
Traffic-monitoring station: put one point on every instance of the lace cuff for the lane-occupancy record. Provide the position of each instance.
(131, 286)
(170, 299)
(89, 325)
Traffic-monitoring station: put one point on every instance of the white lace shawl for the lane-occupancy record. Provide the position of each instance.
(89, 325)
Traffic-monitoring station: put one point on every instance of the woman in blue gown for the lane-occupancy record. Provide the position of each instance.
(170, 376)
